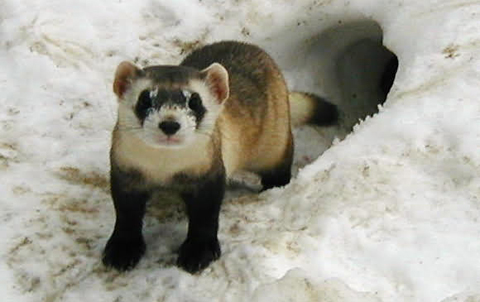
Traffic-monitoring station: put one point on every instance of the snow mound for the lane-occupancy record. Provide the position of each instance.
(295, 286)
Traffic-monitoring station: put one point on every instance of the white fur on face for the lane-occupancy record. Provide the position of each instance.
(127, 120)
(189, 132)
(130, 96)
(155, 137)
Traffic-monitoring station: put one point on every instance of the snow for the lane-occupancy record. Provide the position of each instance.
(388, 213)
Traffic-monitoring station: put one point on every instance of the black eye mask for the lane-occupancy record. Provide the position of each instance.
(144, 104)
(155, 99)
(196, 105)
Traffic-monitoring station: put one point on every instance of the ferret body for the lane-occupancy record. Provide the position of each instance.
(184, 129)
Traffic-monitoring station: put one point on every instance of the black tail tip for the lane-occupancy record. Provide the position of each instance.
(326, 113)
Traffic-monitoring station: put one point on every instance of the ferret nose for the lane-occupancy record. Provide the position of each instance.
(169, 127)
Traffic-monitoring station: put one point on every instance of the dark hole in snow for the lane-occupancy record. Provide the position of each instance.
(349, 65)
(365, 70)
(354, 68)
(388, 75)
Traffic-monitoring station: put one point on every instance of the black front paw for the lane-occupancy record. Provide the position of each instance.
(123, 254)
(196, 255)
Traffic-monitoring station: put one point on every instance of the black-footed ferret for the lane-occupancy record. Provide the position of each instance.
(184, 129)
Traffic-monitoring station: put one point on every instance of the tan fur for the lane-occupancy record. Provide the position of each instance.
(159, 165)
(256, 142)
(302, 107)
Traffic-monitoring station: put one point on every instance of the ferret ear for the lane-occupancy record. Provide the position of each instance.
(125, 74)
(216, 77)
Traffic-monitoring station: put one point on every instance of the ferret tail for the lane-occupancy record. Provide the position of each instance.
(307, 108)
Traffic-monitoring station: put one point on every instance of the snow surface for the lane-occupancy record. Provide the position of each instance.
(388, 213)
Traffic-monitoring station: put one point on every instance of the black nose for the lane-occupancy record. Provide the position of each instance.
(169, 127)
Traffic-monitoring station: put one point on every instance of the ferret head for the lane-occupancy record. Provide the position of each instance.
(170, 106)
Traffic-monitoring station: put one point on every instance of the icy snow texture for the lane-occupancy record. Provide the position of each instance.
(390, 213)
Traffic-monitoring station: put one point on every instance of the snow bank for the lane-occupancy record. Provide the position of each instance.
(389, 213)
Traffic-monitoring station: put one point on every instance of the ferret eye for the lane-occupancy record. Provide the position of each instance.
(144, 99)
(195, 102)
(144, 105)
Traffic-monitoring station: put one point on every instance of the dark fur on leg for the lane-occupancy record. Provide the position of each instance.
(126, 245)
(280, 175)
(203, 208)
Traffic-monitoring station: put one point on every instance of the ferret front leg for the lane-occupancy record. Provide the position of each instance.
(203, 208)
(126, 245)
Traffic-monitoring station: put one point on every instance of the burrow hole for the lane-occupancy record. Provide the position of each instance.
(354, 70)
(357, 68)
